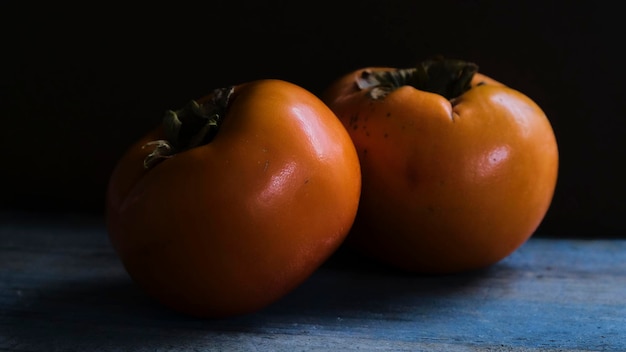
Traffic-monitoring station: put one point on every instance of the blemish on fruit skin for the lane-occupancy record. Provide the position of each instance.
(386, 135)
(388, 114)
(353, 121)
(412, 176)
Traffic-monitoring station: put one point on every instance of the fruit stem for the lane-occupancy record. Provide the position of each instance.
(193, 125)
(447, 77)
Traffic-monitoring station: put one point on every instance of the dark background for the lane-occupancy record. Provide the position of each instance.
(79, 84)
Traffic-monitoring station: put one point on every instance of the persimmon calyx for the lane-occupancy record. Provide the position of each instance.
(447, 77)
(193, 125)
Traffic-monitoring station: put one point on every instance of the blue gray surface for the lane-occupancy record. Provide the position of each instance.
(62, 288)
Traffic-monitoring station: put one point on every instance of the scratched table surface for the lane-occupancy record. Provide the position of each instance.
(62, 288)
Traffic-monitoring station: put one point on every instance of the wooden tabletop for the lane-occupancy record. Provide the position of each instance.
(62, 288)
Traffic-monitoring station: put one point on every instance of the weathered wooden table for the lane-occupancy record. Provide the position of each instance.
(63, 289)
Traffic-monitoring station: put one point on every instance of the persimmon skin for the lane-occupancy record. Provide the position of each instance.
(448, 186)
(229, 227)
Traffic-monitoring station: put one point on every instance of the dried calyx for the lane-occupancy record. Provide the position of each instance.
(193, 125)
(447, 77)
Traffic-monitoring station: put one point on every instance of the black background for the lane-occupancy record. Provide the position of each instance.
(79, 84)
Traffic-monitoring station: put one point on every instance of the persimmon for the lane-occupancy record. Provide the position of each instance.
(458, 169)
(235, 199)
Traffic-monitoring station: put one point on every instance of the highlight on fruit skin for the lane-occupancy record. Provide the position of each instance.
(458, 169)
(234, 200)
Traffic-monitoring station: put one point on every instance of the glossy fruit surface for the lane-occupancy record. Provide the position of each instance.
(235, 200)
(458, 170)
